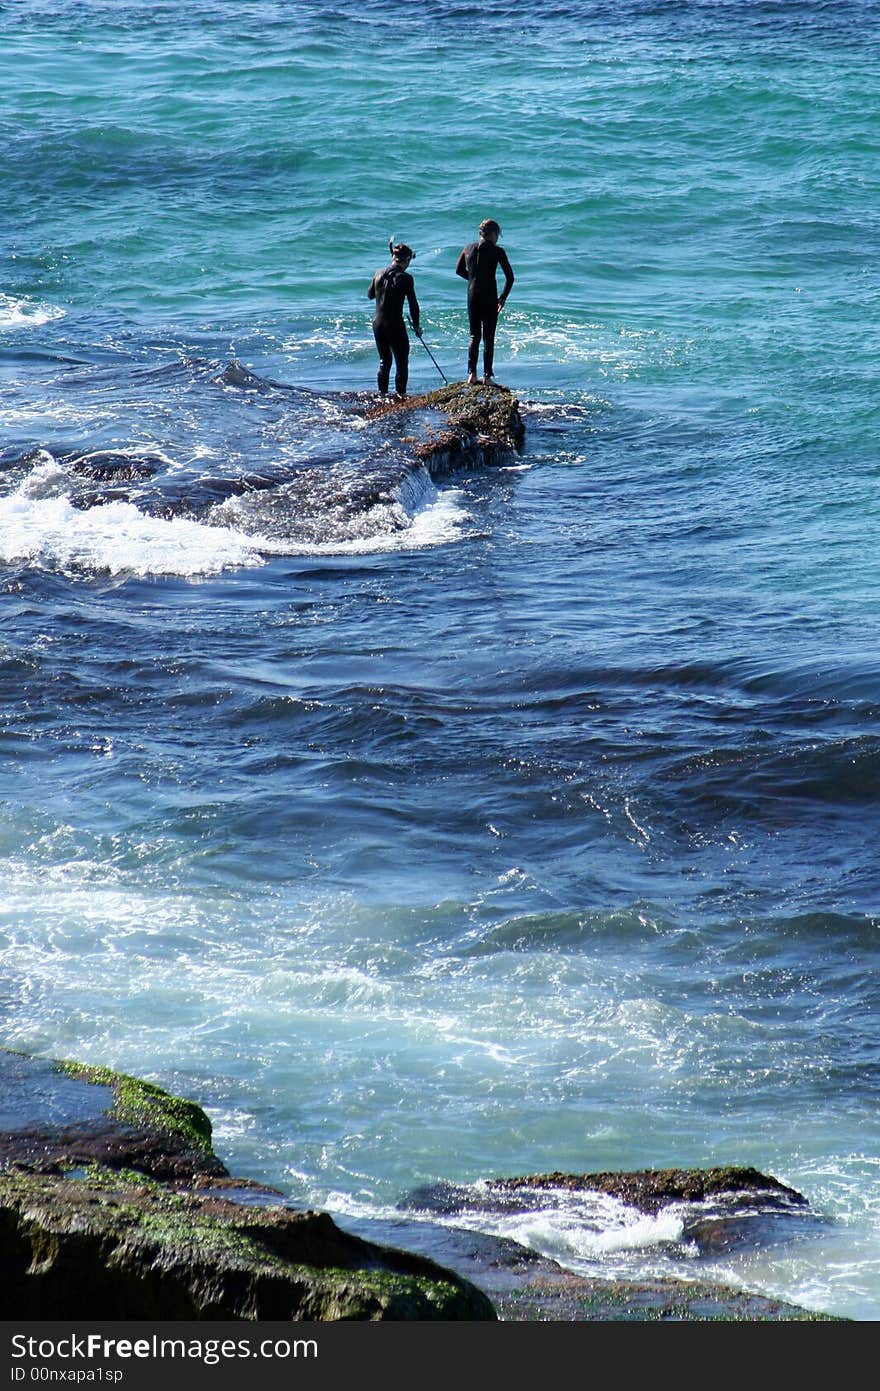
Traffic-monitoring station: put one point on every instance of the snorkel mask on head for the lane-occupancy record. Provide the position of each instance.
(401, 252)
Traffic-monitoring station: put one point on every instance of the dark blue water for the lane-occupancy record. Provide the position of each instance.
(524, 820)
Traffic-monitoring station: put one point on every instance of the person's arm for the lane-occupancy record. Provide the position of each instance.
(413, 306)
(461, 268)
(505, 265)
(371, 293)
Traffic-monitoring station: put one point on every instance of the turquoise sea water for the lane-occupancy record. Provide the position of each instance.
(524, 822)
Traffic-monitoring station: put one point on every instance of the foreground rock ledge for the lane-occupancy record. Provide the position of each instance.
(114, 1205)
(107, 1246)
(111, 1207)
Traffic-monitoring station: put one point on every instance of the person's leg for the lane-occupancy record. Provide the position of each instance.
(490, 323)
(384, 349)
(475, 323)
(400, 344)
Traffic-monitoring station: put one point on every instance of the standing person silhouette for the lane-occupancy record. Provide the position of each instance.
(478, 264)
(390, 288)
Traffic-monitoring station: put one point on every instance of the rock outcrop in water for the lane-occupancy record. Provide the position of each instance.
(91, 1115)
(712, 1212)
(649, 1190)
(527, 1287)
(457, 426)
(330, 469)
(114, 1205)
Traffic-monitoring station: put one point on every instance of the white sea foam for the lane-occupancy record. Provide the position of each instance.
(439, 523)
(47, 413)
(559, 404)
(26, 313)
(46, 478)
(417, 518)
(38, 526)
(338, 338)
(590, 1233)
(581, 1239)
(609, 351)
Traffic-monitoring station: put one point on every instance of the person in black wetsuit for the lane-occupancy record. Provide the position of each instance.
(478, 264)
(391, 288)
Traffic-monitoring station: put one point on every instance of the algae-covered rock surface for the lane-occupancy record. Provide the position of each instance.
(113, 1204)
(57, 1114)
(111, 1207)
(108, 1245)
(456, 427)
(564, 1296)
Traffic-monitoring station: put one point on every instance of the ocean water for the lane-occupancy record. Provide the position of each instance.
(526, 820)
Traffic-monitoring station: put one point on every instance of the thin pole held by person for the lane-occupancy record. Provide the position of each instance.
(478, 265)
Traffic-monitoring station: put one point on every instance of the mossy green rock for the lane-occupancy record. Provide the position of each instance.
(108, 1247)
(575, 1300)
(59, 1114)
(114, 1205)
(109, 1209)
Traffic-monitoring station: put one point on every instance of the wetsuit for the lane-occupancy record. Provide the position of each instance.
(478, 264)
(391, 288)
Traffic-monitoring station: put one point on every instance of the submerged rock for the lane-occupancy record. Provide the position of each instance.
(527, 1287)
(730, 1189)
(718, 1209)
(112, 466)
(712, 1211)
